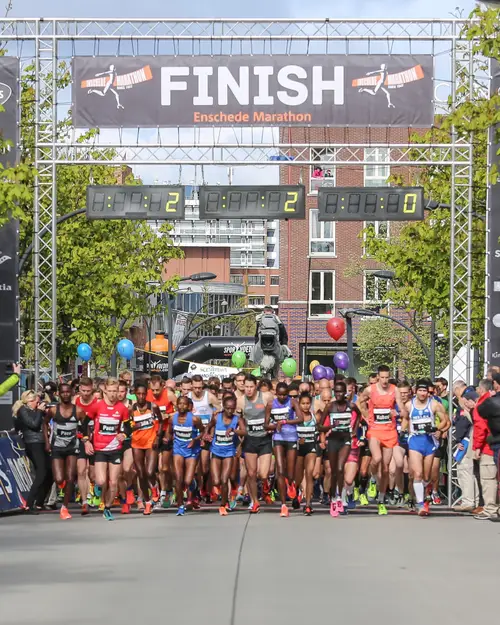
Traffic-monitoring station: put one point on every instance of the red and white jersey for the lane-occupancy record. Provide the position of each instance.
(86, 409)
(108, 422)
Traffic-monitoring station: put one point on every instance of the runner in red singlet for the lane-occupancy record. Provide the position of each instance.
(377, 404)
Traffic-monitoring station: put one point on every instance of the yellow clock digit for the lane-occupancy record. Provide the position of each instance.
(413, 207)
(289, 208)
(171, 204)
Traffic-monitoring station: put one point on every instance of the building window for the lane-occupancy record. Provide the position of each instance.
(236, 278)
(321, 235)
(256, 300)
(322, 175)
(381, 230)
(275, 300)
(376, 175)
(275, 280)
(256, 280)
(375, 289)
(321, 293)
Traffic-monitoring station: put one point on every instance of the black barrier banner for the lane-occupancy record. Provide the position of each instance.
(15, 475)
(9, 96)
(8, 314)
(494, 240)
(280, 90)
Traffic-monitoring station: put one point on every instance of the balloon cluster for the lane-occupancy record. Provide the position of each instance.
(335, 328)
(125, 349)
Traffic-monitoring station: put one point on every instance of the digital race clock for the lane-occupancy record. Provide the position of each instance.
(252, 202)
(370, 204)
(153, 202)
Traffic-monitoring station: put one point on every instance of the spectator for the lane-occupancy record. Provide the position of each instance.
(317, 172)
(491, 372)
(29, 413)
(441, 386)
(484, 454)
(462, 430)
(490, 410)
(11, 381)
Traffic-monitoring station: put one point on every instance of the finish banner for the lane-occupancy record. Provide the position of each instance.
(315, 90)
(494, 238)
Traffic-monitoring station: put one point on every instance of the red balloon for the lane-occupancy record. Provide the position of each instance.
(335, 327)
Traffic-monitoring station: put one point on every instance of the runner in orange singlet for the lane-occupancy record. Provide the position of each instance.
(377, 403)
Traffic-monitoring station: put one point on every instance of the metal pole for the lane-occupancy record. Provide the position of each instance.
(36, 214)
(114, 363)
(432, 359)
(350, 345)
(54, 204)
(170, 331)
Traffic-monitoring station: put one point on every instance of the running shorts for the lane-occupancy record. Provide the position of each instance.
(113, 457)
(260, 445)
(222, 457)
(308, 448)
(441, 450)
(60, 453)
(337, 441)
(386, 438)
(423, 444)
(127, 444)
(288, 445)
(354, 455)
(188, 452)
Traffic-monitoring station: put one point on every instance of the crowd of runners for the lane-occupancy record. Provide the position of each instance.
(246, 442)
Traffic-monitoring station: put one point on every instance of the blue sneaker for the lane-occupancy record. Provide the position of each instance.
(181, 511)
(351, 504)
(107, 515)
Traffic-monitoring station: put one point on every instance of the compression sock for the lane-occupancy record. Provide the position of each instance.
(418, 487)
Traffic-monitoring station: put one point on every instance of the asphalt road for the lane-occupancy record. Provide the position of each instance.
(242, 570)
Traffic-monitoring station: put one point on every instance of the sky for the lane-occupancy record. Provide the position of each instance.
(167, 9)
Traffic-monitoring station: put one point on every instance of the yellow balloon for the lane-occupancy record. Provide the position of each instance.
(313, 364)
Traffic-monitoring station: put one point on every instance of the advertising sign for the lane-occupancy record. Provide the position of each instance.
(279, 90)
(15, 476)
(9, 95)
(208, 371)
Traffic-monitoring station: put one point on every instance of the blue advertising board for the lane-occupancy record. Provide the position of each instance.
(15, 475)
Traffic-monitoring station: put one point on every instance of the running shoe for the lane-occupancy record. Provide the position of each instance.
(340, 506)
(436, 499)
(101, 506)
(372, 490)
(382, 510)
(308, 510)
(107, 515)
(421, 511)
(333, 508)
(268, 500)
(325, 501)
(140, 504)
(427, 505)
(363, 500)
(125, 508)
(214, 495)
(351, 503)
(130, 497)
(64, 513)
(291, 490)
(296, 504)
(254, 508)
(246, 500)
(285, 512)
(85, 510)
(181, 511)
(196, 504)
(240, 497)
(391, 498)
(148, 508)
(356, 493)
(232, 503)
(155, 495)
(222, 511)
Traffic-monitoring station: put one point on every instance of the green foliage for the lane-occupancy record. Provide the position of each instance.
(103, 267)
(419, 253)
(381, 341)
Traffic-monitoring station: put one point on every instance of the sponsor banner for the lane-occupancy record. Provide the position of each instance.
(8, 311)
(15, 474)
(494, 237)
(208, 371)
(230, 348)
(9, 97)
(279, 90)
(180, 326)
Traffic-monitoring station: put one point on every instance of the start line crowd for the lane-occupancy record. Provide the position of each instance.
(244, 441)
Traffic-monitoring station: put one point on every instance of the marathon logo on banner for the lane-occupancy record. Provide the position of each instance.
(15, 476)
(312, 90)
(232, 347)
(494, 238)
(209, 371)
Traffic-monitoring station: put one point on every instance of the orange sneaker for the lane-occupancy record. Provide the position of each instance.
(223, 511)
(140, 505)
(268, 500)
(125, 508)
(291, 490)
(284, 511)
(155, 494)
(85, 509)
(148, 509)
(130, 497)
(64, 513)
(214, 495)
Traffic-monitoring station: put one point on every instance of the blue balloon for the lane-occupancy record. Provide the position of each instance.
(84, 351)
(126, 349)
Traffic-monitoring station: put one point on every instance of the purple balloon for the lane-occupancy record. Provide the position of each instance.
(341, 360)
(330, 374)
(319, 373)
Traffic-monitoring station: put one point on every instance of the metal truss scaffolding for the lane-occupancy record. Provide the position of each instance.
(51, 41)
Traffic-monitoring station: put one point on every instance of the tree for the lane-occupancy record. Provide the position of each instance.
(419, 253)
(103, 267)
(381, 341)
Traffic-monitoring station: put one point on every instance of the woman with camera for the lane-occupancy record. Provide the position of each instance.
(29, 413)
